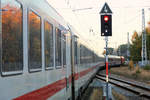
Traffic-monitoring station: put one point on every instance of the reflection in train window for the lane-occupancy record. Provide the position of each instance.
(75, 51)
(81, 54)
(12, 36)
(35, 61)
(85, 55)
(64, 49)
(58, 47)
(48, 45)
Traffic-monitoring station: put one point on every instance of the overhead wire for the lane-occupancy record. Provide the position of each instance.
(130, 21)
(85, 40)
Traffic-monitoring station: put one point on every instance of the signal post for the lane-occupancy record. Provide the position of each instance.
(106, 30)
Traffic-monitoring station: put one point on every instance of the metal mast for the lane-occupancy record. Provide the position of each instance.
(128, 46)
(144, 51)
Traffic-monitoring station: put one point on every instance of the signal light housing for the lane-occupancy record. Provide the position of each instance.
(106, 25)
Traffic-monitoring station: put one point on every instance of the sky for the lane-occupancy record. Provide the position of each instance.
(126, 17)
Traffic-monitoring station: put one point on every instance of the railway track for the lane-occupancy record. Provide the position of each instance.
(139, 89)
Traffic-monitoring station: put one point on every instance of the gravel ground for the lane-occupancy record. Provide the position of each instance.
(93, 93)
(137, 73)
(95, 90)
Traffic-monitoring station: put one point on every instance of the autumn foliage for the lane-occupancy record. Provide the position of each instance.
(136, 46)
(35, 40)
(12, 37)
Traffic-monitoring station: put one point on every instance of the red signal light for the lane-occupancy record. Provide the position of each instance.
(106, 18)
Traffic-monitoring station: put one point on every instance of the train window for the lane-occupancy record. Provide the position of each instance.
(93, 57)
(35, 61)
(85, 55)
(12, 37)
(80, 54)
(48, 44)
(75, 51)
(89, 57)
(58, 47)
(82, 57)
(64, 50)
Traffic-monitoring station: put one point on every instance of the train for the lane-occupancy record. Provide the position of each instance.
(41, 55)
(115, 61)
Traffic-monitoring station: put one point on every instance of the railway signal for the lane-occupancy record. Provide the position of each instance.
(106, 25)
(106, 21)
(106, 30)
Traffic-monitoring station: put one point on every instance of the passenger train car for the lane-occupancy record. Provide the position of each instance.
(115, 60)
(41, 56)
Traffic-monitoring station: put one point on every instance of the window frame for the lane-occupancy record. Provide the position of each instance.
(51, 67)
(36, 13)
(11, 73)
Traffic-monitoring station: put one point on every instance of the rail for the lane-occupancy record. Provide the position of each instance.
(142, 91)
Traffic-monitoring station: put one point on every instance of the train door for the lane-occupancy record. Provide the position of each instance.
(74, 68)
(78, 67)
(67, 59)
(76, 64)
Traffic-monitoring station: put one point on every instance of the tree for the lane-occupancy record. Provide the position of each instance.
(122, 50)
(148, 28)
(134, 36)
(104, 52)
(135, 48)
(148, 40)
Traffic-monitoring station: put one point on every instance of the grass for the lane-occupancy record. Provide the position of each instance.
(93, 94)
(147, 67)
(96, 94)
(137, 73)
(118, 96)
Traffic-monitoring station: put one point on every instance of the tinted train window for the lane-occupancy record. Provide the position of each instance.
(64, 50)
(75, 51)
(35, 61)
(48, 45)
(12, 36)
(82, 50)
(58, 47)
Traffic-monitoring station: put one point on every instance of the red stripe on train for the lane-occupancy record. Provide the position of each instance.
(49, 90)
(45, 92)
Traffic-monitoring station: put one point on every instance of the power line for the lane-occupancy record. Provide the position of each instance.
(74, 10)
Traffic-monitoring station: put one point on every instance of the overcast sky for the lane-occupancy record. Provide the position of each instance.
(127, 17)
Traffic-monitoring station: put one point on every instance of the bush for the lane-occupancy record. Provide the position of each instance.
(131, 65)
(138, 71)
(147, 67)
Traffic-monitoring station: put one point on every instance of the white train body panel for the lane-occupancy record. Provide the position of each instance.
(42, 83)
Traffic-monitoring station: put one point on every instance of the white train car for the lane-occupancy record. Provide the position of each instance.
(115, 60)
(40, 56)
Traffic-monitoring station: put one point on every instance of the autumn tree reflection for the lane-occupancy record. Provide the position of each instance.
(48, 44)
(35, 60)
(58, 47)
(12, 47)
